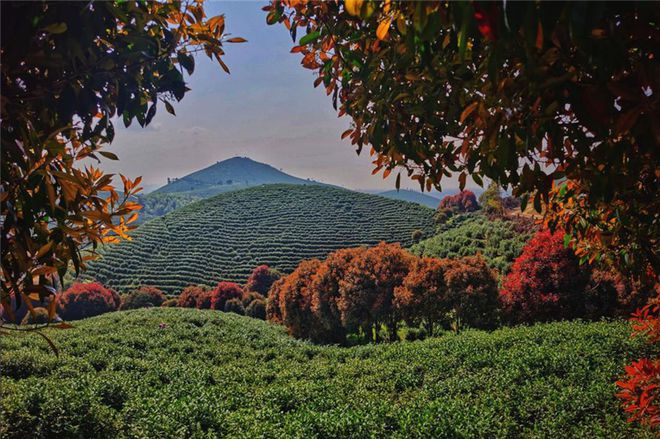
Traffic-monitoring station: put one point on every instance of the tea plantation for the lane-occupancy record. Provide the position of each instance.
(500, 241)
(169, 372)
(226, 236)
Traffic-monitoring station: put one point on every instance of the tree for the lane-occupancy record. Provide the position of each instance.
(491, 201)
(68, 69)
(367, 288)
(423, 295)
(273, 311)
(546, 281)
(223, 292)
(524, 93)
(326, 294)
(83, 300)
(261, 279)
(417, 236)
(256, 309)
(234, 305)
(472, 290)
(296, 300)
(143, 297)
(464, 201)
(194, 296)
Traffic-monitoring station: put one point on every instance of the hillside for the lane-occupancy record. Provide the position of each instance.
(231, 174)
(500, 241)
(189, 373)
(226, 236)
(412, 197)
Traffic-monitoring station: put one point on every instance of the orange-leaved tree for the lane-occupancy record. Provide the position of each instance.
(68, 70)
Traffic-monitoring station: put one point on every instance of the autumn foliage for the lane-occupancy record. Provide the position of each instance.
(464, 201)
(83, 300)
(640, 390)
(224, 292)
(546, 282)
(363, 290)
(195, 296)
(261, 279)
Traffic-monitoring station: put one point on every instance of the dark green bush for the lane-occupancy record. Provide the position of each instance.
(235, 306)
(256, 309)
(143, 297)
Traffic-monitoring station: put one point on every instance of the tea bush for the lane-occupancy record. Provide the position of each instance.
(172, 372)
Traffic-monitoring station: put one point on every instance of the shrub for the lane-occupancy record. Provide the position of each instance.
(83, 300)
(224, 292)
(40, 316)
(170, 303)
(261, 279)
(546, 282)
(143, 297)
(491, 201)
(234, 305)
(417, 236)
(193, 296)
(256, 309)
(250, 296)
(442, 215)
(464, 201)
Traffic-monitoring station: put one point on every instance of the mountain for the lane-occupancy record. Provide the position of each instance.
(224, 237)
(412, 197)
(231, 174)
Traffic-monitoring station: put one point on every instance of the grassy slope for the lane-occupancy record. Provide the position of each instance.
(211, 373)
(226, 236)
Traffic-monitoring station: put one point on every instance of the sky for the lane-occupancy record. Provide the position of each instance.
(267, 109)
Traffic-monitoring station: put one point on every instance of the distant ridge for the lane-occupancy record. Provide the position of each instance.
(227, 175)
(411, 196)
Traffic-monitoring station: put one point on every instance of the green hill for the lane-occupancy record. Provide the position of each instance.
(190, 373)
(500, 241)
(412, 197)
(226, 236)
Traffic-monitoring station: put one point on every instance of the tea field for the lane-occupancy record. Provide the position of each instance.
(186, 373)
(226, 236)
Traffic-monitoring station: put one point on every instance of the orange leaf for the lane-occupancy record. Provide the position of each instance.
(383, 29)
(237, 40)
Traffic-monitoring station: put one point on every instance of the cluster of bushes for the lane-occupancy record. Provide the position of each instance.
(363, 290)
(360, 290)
(249, 300)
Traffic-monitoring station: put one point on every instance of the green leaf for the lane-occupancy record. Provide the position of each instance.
(109, 155)
(56, 28)
(309, 38)
(169, 108)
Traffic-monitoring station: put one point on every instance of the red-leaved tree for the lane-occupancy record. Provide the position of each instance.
(367, 289)
(296, 300)
(83, 300)
(326, 295)
(223, 292)
(546, 282)
(194, 296)
(423, 296)
(464, 201)
(261, 279)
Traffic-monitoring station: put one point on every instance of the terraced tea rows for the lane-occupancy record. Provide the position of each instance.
(226, 236)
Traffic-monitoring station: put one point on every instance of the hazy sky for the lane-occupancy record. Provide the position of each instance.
(267, 109)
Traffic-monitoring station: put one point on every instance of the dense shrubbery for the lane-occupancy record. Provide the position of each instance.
(188, 373)
(499, 241)
(143, 297)
(464, 201)
(256, 309)
(361, 290)
(235, 305)
(224, 292)
(86, 300)
(261, 279)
